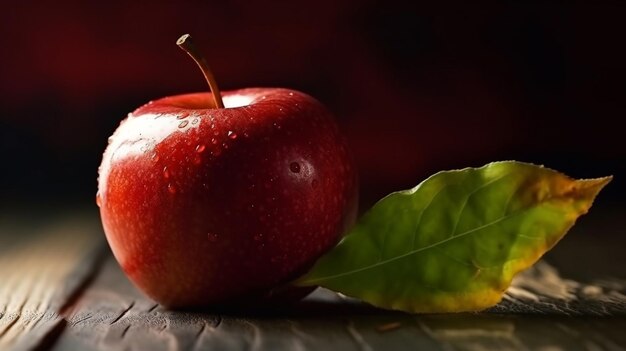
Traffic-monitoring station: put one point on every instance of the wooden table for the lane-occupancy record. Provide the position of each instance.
(61, 289)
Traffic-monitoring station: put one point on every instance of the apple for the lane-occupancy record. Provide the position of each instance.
(214, 198)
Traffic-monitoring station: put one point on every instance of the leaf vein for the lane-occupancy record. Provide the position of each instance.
(412, 252)
(529, 237)
(461, 262)
(469, 196)
(419, 219)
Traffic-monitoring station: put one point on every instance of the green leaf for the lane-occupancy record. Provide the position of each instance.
(454, 242)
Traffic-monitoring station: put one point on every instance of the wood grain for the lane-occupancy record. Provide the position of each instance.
(61, 289)
(41, 267)
(537, 313)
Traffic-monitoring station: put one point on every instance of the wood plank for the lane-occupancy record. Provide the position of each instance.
(541, 290)
(61, 289)
(536, 314)
(42, 265)
(113, 315)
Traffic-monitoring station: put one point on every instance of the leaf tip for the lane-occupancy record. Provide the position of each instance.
(593, 186)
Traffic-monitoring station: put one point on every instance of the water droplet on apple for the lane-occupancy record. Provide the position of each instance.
(290, 94)
(245, 134)
(197, 160)
(225, 146)
(232, 134)
(212, 125)
(276, 125)
(213, 141)
(200, 148)
(194, 121)
(183, 115)
(155, 157)
(166, 173)
(294, 167)
(183, 124)
(212, 237)
(171, 189)
(258, 237)
(98, 199)
(216, 133)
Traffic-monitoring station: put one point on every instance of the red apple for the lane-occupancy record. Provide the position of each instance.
(204, 205)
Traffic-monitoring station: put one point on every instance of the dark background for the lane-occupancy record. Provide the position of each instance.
(417, 88)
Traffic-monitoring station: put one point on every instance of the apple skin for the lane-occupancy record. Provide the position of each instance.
(205, 206)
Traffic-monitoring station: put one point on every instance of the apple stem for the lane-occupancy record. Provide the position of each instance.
(186, 43)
